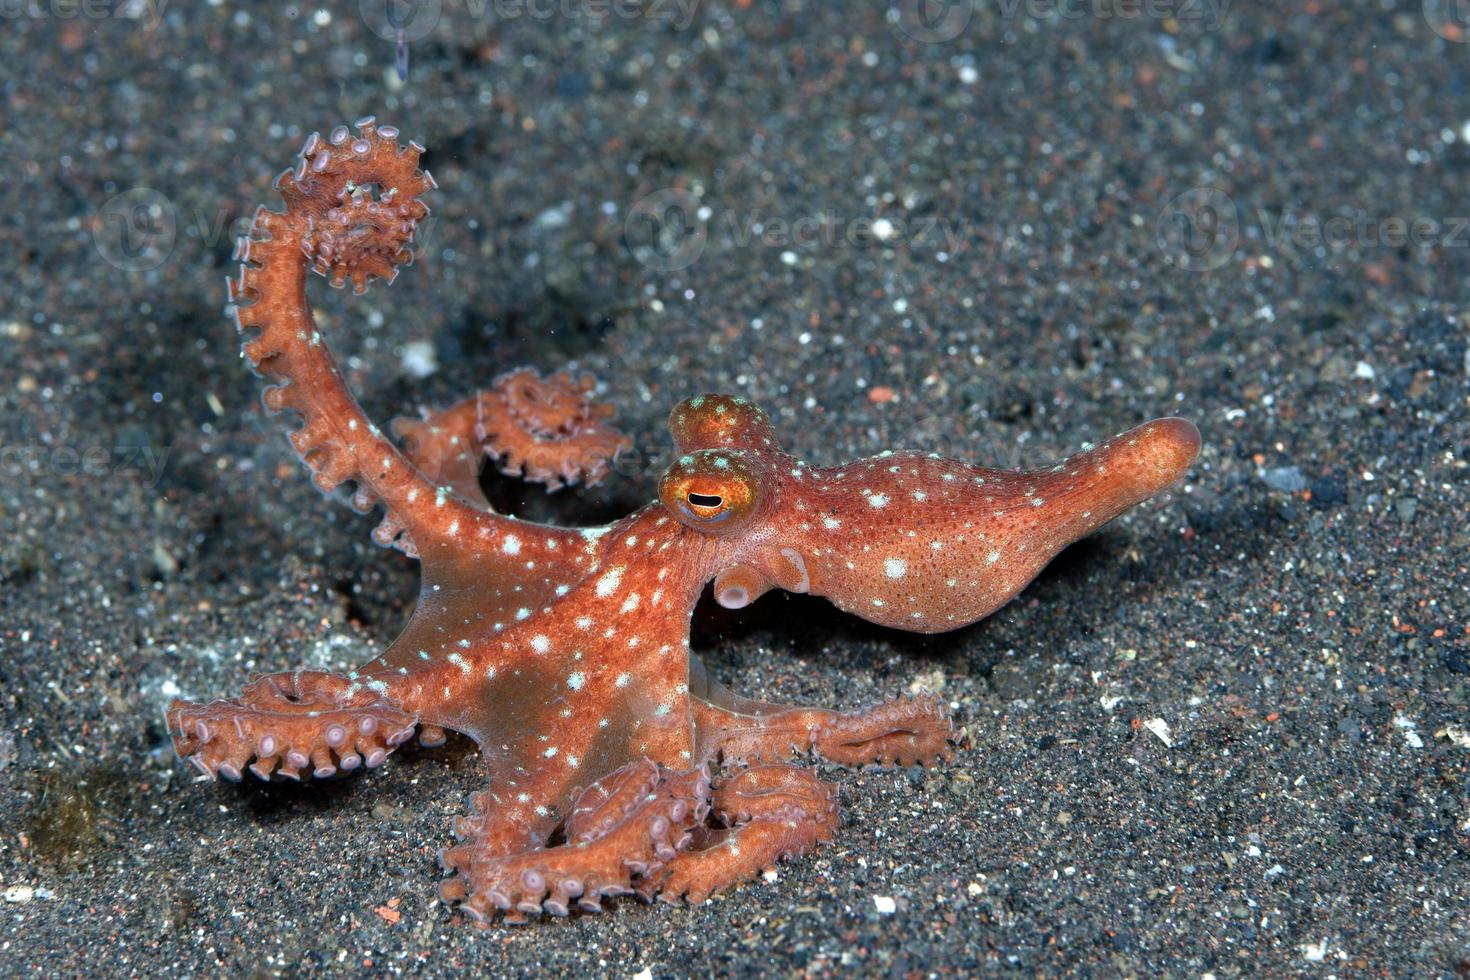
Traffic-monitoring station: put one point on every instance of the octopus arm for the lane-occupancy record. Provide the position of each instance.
(336, 224)
(544, 430)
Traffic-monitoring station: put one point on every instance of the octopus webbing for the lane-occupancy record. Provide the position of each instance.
(615, 763)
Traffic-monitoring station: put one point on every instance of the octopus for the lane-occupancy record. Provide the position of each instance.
(614, 762)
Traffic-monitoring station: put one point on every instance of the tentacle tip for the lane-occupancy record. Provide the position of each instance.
(1177, 442)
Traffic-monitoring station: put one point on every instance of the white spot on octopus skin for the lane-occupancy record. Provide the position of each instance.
(895, 567)
(623, 680)
(609, 582)
(540, 643)
(511, 545)
(576, 680)
(992, 558)
(878, 500)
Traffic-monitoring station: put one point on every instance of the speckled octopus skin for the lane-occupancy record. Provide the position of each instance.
(615, 763)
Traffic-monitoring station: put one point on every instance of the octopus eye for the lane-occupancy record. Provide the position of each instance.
(713, 490)
(700, 502)
(704, 508)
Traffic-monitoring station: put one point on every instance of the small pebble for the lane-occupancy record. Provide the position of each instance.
(1286, 479)
(1160, 728)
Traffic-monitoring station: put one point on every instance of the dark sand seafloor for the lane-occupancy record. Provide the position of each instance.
(1228, 735)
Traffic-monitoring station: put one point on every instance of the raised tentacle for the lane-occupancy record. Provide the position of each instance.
(352, 207)
(289, 723)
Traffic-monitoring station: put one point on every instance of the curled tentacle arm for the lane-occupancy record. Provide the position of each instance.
(549, 430)
(352, 206)
(545, 430)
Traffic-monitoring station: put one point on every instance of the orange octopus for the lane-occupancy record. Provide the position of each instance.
(615, 763)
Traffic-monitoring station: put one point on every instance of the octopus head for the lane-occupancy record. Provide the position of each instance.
(725, 486)
(913, 541)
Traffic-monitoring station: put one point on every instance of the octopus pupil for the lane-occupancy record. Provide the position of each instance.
(706, 499)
